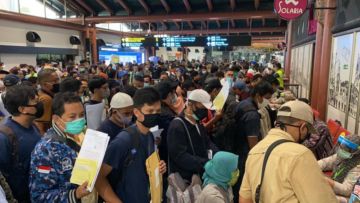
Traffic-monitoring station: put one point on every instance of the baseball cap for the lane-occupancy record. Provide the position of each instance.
(299, 110)
(241, 85)
(121, 100)
(11, 80)
(211, 84)
(201, 96)
(165, 87)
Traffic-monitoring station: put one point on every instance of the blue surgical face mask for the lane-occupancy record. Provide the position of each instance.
(75, 127)
(146, 84)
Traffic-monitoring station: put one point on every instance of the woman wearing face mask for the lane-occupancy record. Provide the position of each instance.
(345, 166)
(121, 112)
(221, 173)
(188, 143)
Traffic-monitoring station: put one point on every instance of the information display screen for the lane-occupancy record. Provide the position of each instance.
(187, 41)
(139, 42)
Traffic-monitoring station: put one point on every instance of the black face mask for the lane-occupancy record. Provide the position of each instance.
(151, 120)
(55, 88)
(301, 140)
(201, 113)
(39, 110)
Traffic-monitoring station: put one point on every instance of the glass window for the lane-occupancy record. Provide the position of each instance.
(103, 25)
(54, 9)
(9, 5)
(32, 7)
(114, 26)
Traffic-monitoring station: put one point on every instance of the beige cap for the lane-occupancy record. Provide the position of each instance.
(201, 96)
(299, 110)
(121, 100)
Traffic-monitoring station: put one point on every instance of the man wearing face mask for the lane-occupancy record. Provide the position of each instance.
(248, 125)
(54, 156)
(18, 137)
(167, 91)
(100, 92)
(345, 166)
(121, 112)
(49, 85)
(291, 166)
(188, 143)
(123, 176)
(9, 81)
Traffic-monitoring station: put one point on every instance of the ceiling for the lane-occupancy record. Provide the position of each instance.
(240, 17)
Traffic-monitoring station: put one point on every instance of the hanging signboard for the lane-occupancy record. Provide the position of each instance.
(290, 9)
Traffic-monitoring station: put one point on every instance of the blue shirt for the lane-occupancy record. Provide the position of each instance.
(133, 187)
(109, 127)
(17, 174)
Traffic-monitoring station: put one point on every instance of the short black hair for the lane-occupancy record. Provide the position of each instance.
(262, 89)
(139, 78)
(147, 95)
(164, 73)
(95, 83)
(272, 80)
(44, 75)
(18, 95)
(70, 85)
(61, 99)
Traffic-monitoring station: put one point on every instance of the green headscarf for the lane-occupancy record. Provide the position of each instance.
(219, 170)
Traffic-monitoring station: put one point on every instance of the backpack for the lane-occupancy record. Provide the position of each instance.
(226, 131)
(118, 175)
(9, 133)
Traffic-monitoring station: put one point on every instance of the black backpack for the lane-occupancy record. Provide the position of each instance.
(117, 175)
(226, 130)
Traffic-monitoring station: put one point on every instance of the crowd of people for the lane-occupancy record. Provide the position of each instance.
(264, 145)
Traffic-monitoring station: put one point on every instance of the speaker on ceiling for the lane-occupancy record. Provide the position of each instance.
(100, 43)
(168, 49)
(197, 51)
(33, 37)
(74, 40)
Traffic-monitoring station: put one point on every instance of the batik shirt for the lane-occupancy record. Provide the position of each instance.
(51, 165)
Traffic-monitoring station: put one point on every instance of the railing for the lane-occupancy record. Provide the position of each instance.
(291, 87)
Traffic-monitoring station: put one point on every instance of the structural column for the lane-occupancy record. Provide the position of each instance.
(316, 67)
(288, 50)
(325, 58)
(94, 52)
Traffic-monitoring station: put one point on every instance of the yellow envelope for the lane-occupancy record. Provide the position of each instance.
(84, 170)
(156, 186)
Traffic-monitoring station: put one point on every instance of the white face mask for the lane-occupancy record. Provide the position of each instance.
(264, 104)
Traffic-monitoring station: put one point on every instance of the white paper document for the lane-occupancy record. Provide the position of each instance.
(94, 115)
(90, 158)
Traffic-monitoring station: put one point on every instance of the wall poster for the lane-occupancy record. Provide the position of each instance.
(301, 69)
(339, 80)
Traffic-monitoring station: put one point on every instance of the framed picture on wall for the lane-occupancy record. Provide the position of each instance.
(339, 77)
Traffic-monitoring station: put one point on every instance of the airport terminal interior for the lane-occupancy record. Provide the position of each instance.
(179, 101)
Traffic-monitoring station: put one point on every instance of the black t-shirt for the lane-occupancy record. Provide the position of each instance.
(182, 158)
(109, 127)
(248, 123)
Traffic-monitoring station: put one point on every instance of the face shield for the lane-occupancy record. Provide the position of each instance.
(346, 148)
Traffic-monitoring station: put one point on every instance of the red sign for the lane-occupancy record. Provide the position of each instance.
(290, 9)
